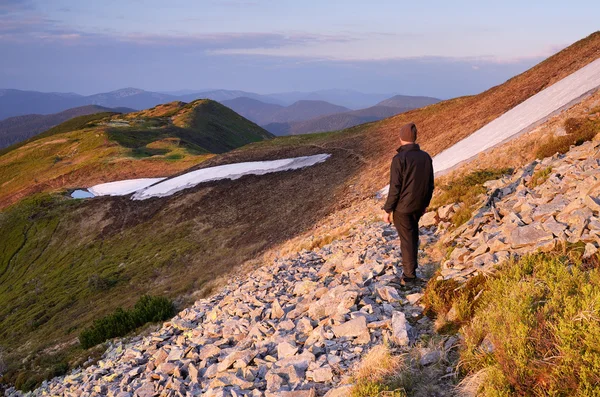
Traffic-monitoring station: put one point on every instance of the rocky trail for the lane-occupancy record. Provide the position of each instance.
(300, 325)
(296, 327)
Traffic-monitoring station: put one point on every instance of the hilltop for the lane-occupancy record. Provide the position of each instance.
(54, 255)
(91, 149)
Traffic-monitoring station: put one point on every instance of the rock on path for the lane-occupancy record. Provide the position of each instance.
(296, 328)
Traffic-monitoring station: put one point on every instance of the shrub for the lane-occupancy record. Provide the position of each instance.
(121, 322)
(537, 330)
(579, 130)
(442, 295)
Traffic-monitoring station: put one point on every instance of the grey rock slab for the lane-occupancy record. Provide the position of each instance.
(529, 235)
(430, 357)
(388, 294)
(324, 374)
(400, 329)
(353, 328)
(286, 349)
(428, 219)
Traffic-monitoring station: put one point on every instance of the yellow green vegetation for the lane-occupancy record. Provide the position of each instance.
(531, 329)
(578, 131)
(539, 177)
(466, 190)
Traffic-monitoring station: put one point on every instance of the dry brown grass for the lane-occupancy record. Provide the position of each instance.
(522, 150)
(378, 365)
(446, 123)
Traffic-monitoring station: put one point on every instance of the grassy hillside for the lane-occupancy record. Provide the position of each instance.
(52, 249)
(99, 148)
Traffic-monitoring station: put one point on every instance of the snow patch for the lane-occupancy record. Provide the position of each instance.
(229, 171)
(536, 109)
(531, 112)
(123, 188)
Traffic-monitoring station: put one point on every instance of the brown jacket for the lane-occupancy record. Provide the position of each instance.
(411, 180)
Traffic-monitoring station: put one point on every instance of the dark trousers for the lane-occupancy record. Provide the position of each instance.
(408, 230)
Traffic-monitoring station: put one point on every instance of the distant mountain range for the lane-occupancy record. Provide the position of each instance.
(17, 102)
(335, 122)
(265, 113)
(306, 116)
(301, 117)
(19, 128)
(405, 101)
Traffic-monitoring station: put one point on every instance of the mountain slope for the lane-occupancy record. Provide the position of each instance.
(91, 149)
(404, 101)
(225, 95)
(334, 122)
(347, 98)
(129, 97)
(264, 113)
(19, 128)
(18, 103)
(304, 110)
(52, 246)
(252, 109)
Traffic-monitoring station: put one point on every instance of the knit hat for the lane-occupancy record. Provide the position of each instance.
(408, 132)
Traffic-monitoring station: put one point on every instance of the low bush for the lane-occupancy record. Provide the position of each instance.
(121, 322)
(443, 295)
(536, 331)
(579, 130)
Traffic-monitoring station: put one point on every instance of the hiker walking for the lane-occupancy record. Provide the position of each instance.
(411, 188)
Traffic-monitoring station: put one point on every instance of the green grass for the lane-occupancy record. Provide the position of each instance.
(466, 190)
(541, 314)
(121, 322)
(579, 130)
(141, 152)
(540, 177)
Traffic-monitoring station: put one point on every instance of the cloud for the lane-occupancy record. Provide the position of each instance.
(12, 6)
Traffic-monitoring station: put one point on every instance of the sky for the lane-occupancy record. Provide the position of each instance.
(437, 48)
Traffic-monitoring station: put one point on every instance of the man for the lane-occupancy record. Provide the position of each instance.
(411, 188)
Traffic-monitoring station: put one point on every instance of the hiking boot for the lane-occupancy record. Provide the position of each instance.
(409, 281)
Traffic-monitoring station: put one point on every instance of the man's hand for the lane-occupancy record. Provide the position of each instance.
(388, 217)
